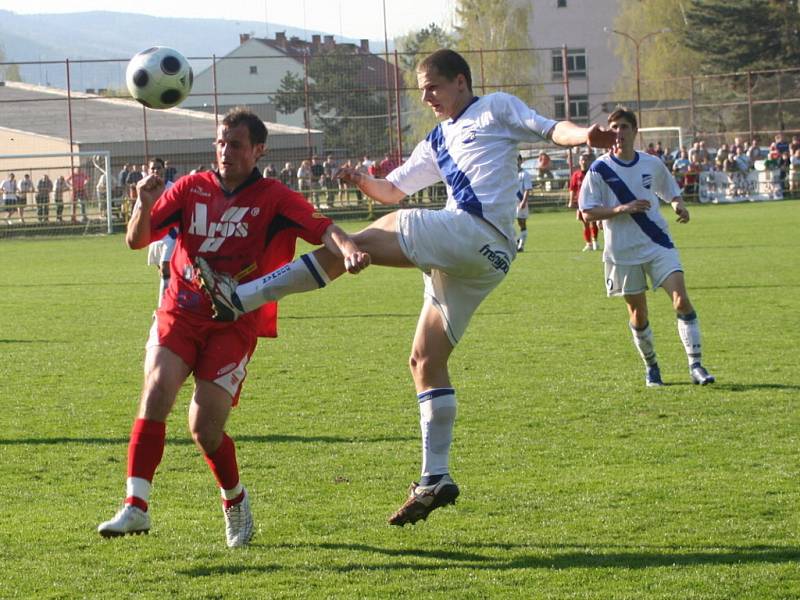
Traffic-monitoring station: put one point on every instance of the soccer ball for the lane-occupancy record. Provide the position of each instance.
(159, 77)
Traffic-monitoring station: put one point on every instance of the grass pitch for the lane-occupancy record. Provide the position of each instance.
(577, 481)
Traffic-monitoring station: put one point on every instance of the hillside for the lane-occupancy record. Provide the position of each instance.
(102, 35)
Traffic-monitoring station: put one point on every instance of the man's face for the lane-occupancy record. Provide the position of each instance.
(444, 96)
(156, 168)
(584, 162)
(236, 155)
(626, 134)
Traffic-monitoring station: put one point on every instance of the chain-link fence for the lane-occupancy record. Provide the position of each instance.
(327, 104)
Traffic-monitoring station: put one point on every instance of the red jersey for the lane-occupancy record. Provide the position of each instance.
(576, 179)
(246, 233)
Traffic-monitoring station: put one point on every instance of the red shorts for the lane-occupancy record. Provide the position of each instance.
(216, 352)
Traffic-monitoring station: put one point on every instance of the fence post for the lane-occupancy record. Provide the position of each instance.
(565, 77)
(214, 79)
(691, 107)
(397, 104)
(71, 141)
(750, 103)
(308, 108)
(483, 77)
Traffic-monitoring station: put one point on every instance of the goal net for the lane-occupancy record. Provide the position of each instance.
(60, 194)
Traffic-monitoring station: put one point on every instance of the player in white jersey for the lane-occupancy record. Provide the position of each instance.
(623, 189)
(464, 250)
(159, 253)
(525, 183)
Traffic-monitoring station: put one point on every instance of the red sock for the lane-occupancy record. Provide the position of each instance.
(594, 231)
(223, 464)
(586, 236)
(234, 502)
(145, 449)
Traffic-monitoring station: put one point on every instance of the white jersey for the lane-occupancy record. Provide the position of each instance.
(475, 155)
(638, 238)
(525, 183)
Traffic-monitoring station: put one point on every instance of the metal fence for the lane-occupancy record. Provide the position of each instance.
(325, 99)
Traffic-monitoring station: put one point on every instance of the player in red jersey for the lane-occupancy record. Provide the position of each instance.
(575, 181)
(246, 226)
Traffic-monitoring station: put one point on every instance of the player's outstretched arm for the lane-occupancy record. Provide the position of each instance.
(680, 209)
(567, 133)
(381, 190)
(342, 245)
(148, 190)
(601, 213)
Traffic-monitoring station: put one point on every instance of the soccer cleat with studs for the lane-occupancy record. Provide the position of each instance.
(129, 520)
(239, 527)
(700, 376)
(424, 499)
(653, 376)
(221, 290)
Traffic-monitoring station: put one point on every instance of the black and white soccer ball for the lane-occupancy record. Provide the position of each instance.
(159, 77)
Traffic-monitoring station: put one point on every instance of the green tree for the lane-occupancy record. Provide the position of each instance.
(492, 25)
(342, 100)
(758, 34)
(419, 119)
(9, 72)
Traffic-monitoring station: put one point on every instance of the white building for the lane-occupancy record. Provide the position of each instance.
(592, 66)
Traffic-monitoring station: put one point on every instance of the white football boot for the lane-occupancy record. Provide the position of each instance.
(239, 523)
(130, 520)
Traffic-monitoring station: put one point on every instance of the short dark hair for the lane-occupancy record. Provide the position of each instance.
(157, 160)
(447, 63)
(622, 113)
(244, 116)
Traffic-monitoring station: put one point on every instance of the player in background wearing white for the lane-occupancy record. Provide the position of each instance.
(525, 185)
(464, 251)
(623, 188)
(159, 252)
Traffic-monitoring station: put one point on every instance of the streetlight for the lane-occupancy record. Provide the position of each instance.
(636, 43)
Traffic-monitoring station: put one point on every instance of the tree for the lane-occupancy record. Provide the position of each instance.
(419, 119)
(342, 100)
(8, 72)
(759, 34)
(489, 25)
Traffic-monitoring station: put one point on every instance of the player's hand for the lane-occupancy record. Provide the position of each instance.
(148, 189)
(637, 206)
(348, 175)
(356, 262)
(598, 137)
(682, 212)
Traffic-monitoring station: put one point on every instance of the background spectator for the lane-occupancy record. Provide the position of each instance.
(43, 188)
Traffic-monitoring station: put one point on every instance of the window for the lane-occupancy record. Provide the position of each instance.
(561, 4)
(253, 70)
(578, 108)
(576, 63)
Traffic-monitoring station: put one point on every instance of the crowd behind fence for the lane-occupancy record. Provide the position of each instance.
(363, 110)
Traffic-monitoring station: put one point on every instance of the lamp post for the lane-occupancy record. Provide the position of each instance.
(637, 42)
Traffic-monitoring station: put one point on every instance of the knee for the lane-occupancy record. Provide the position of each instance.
(206, 438)
(681, 304)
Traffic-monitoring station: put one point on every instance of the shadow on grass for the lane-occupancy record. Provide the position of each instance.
(33, 341)
(275, 438)
(521, 557)
(338, 316)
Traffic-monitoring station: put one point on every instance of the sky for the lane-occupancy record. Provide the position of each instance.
(350, 18)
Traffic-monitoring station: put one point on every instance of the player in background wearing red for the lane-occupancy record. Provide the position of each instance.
(245, 226)
(575, 181)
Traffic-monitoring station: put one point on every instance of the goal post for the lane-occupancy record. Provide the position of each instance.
(672, 132)
(81, 196)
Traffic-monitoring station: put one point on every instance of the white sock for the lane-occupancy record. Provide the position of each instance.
(437, 414)
(139, 487)
(689, 332)
(302, 275)
(231, 494)
(643, 340)
(523, 236)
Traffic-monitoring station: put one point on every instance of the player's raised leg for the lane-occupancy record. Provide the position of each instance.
(309, 272)
(165, 372)
(437, 406)
(688, 327)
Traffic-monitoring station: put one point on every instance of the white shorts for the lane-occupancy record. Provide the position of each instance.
(160, 251)
(626, 280)
(462, 257)
(522, 213)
